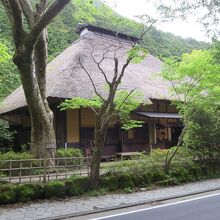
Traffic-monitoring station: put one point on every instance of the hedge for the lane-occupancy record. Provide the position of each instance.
(125, 175)
(12, 193)
(76, 186)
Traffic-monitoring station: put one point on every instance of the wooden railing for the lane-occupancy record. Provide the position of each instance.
(37, 170)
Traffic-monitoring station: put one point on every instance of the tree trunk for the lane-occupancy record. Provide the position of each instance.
(169, 158)
(99, 142)
(43, 141)
(31, 59)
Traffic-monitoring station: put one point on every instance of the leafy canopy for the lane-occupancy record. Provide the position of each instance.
(196, 78)
(124, 104)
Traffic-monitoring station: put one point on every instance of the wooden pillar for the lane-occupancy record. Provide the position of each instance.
(80, 140)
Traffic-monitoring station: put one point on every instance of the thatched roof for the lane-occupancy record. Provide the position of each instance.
(67, 79)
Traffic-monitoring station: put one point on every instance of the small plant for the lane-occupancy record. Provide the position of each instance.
(128, 190)
(8, 194)
(55, 189)
(69, 152)
(30, 191)
(77, 186)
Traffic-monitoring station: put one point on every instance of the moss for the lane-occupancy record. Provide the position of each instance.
(77, 186)
(110, 182)
(30, 191)
(8, 194)
(55, 189)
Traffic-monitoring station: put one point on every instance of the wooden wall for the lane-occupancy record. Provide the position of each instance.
(72, 123)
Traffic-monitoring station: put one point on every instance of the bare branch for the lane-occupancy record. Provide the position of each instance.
(123, 70)
(99, 66)
(27, 11)
(49, 15)
(91, 80)
(41, 7)
(14, 13)
(126, 98)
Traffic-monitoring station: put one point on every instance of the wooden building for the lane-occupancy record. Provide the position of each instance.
(66, 79)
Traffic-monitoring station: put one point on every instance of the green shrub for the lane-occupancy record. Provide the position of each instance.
(69, 152)
(30, 191)
(97, 192)
(11, 155)
(77, 186)
(8, 194)
(125, 181)
(109, 182)
(128, 190)
(55, 189)
(141, 180)
(158, 174)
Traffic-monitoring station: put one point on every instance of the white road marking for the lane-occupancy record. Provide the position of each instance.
(156, 207)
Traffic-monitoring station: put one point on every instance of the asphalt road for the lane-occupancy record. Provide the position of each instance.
(200, 208)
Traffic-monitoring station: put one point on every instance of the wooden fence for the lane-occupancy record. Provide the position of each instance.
(37, 170)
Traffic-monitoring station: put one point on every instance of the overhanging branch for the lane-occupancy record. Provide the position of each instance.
(91, 80)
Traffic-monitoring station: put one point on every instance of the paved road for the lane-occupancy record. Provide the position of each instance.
(200, 208)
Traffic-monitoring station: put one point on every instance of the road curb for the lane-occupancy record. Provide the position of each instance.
(121, 206)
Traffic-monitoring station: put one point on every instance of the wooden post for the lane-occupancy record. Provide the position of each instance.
(10, 167)
(30, 170)
(45, 171)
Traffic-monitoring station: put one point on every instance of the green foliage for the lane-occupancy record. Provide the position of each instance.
(125, 181)
(77, 186)
(97, 192)
(77, 103)
(125, 103)
(6, 136)
(55, 189)
(195, 81)
(69, 152)
(109, 182)
(203, 134)
(11, 155)
(8, 194)
(4, 55)
(30, 191)
(128, 190)
(137, 54)
(127, 175)
(9, 78)
(149, 169)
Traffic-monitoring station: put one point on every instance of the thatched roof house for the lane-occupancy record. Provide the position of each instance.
(66, 78)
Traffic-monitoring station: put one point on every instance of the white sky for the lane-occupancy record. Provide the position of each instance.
(130, 8)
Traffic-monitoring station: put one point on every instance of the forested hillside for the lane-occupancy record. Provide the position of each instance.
(61, 33)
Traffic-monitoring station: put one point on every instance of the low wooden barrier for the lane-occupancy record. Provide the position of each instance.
(37, 170)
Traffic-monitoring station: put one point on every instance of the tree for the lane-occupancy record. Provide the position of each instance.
(207, 12)
(194, 80)
(112, 101)
(6, 136)
(203, 133)
(30, 38)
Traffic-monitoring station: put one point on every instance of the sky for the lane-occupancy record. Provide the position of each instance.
(130, 8)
